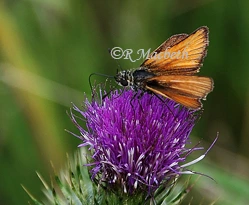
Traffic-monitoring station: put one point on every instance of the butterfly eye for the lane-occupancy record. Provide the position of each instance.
(124, 82)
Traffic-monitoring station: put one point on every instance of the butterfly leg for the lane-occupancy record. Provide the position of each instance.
(138, 96)
(164, 102)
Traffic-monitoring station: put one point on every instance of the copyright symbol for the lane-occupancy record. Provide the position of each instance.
(117, 52)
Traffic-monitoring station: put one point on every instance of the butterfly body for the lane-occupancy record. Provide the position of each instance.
(170, 77)
(135, 79)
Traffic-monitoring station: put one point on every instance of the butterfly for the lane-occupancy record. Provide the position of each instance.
(170, 70)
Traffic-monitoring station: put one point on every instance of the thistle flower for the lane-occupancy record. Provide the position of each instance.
(137, 149)
(137, 143)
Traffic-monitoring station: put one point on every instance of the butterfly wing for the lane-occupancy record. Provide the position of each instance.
(173, 40)
(189, 52)
(186, 90)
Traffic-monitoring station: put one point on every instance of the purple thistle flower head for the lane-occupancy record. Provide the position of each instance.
(137, 142)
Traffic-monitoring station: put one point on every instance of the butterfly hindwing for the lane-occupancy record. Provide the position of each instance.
(186, 90)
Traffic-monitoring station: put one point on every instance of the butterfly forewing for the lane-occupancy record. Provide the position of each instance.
(173, 40)
(180, 54)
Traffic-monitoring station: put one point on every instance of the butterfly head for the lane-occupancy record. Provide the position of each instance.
(124, 78)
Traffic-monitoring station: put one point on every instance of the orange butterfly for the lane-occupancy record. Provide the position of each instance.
(169, 70)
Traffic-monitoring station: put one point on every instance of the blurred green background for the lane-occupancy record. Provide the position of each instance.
(48, 48)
